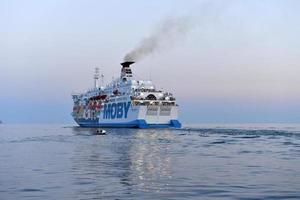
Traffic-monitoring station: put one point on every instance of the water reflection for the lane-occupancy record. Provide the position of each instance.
(126, 159)
(150, 158)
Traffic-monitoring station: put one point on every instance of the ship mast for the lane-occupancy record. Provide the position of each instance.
(96, 78)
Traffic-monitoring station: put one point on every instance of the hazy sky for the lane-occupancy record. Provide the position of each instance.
(240, 62)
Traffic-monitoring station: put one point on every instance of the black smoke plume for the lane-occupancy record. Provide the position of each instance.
(165, 35)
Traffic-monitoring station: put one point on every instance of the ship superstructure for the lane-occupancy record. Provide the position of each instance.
(125, 102)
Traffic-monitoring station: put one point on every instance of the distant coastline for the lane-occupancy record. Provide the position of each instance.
(1, 122)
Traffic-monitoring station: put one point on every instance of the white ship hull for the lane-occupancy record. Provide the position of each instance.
(136, 116)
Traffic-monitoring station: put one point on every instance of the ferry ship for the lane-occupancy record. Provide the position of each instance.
(125, 102)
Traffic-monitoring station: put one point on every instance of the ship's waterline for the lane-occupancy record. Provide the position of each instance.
(125, 102)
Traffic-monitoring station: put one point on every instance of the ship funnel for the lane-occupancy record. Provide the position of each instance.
(126, 70)
(127, 63)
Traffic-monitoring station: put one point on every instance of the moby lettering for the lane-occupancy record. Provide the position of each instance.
(116, 110)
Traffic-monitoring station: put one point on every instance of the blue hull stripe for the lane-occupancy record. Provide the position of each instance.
(133, 124)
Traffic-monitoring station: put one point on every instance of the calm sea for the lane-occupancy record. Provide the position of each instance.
(197, 162)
